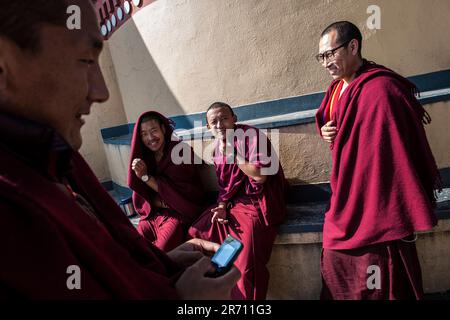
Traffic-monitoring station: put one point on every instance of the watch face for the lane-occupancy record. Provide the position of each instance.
(144, 178)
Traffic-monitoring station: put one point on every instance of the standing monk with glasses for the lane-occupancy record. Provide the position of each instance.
(383, 175)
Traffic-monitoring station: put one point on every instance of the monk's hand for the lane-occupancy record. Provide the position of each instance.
(329, 131)
(194, 285)
(191, 251)
(139, 167)
(219, 214)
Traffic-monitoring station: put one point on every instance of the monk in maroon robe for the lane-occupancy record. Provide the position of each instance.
(166, 193)
(382, 179)
(62, 236)
(251, 202)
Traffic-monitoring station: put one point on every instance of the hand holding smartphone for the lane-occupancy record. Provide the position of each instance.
(225, 256)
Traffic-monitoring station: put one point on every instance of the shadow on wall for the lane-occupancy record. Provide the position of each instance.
(141, 83)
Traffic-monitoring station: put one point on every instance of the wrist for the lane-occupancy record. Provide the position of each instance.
(240, 159)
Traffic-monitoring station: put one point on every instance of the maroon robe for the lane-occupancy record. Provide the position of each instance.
(255, 211)
(44, 230)
(346, 273)
(178, 187)
(383, 174)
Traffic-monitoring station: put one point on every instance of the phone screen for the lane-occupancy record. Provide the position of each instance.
(224, 255)
(224, 258)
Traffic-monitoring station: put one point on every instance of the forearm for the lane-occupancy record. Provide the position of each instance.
(152, 183)
(251, 170)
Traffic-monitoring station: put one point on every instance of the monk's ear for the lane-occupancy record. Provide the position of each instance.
(235, 118)
(354, 47)
(10, 55)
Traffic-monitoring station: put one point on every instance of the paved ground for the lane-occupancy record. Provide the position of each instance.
(438, 296)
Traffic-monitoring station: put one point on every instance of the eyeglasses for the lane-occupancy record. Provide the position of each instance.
(329, 54)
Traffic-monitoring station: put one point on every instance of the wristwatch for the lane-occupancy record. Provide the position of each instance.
(145, 178)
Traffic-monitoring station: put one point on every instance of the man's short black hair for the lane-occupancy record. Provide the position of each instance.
(216, 105)
(20, 20)
(346, 31)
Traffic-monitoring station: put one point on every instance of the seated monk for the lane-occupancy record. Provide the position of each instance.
(251, 200)
(167, 196)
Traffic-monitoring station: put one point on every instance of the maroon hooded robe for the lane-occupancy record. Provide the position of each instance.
(255, 211)
(178, 186)
(382, 180)
(45, 228)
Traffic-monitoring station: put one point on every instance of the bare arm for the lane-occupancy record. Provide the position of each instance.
(140, 169)
(152, 183)
(250, 170)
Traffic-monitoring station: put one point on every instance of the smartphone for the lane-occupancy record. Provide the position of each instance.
(224, 258)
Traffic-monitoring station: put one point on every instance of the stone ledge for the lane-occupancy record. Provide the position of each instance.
(316, 237)
(282, 112)
(268, 122)
(304, 222)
